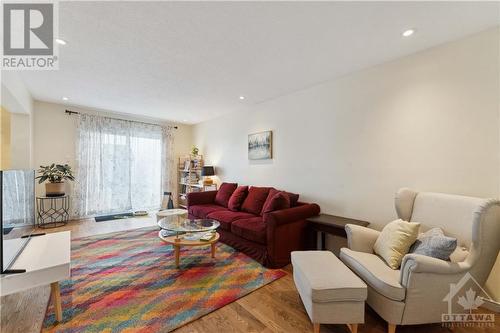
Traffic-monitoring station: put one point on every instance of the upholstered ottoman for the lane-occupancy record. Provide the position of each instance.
(331, 293)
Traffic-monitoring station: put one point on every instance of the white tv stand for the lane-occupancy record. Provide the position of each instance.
(47, 260)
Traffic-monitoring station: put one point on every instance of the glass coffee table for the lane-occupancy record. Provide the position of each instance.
(169, 212)
(179, 231)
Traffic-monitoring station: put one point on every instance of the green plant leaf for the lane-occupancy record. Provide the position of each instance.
(42, 179)
(55, 173)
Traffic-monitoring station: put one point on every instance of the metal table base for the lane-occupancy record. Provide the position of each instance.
(52, 212)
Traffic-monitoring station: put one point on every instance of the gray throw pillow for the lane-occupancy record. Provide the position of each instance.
(433, 243)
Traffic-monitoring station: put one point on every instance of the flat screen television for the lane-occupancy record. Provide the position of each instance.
(17, 213)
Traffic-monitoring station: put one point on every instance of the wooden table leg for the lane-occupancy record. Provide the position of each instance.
(213, 249)
(177, 250)
(353, 328)
(56, 296)
(323, 241)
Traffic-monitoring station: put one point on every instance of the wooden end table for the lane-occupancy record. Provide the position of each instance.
(331, 224)
(177, 242)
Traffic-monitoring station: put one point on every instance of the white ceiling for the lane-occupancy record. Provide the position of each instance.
(190, 61)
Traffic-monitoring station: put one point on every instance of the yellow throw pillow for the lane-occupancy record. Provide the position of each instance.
(395, 240)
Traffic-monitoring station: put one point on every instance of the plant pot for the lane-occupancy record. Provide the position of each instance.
(54, 189)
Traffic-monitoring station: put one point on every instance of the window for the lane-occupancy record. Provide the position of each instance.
(121, 166)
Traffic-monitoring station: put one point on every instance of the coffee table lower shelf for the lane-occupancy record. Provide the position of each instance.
(177, 242)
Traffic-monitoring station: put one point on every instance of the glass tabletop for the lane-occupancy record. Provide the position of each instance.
(169, 212)
(181, 224)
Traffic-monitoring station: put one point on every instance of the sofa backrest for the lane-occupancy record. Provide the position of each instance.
(475, 222)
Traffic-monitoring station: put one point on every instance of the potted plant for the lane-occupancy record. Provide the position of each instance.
(55, 174)
(194, 151)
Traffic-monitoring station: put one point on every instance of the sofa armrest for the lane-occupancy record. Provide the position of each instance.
(417, 263)
(360, 238)
(289, 215)
(286, 232)
(201, 198)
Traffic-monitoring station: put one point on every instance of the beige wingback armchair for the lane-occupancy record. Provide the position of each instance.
(414, 293)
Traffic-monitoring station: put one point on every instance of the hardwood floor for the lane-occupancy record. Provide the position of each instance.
(273, 308)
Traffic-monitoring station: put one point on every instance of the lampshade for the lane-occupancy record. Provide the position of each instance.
(208, 171)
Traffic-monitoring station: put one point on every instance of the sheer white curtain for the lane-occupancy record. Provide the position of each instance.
(121, 165)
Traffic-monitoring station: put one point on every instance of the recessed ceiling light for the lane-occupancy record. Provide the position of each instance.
(60, 41)
(242, 97)
(65, 98)
(408, 33)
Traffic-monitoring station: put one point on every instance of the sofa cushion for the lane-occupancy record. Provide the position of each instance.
(255, 199)
(279, 200)
(201, 211)
(224, 193)
(294, 198)
(252, 229)
(394, 241)
(226, 217)
(375, 272)
(237, 198)
(271, 194)
(434, 243)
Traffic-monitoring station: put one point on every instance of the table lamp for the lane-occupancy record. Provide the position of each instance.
(206, 172)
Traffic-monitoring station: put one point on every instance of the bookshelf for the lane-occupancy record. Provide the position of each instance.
(189, 175)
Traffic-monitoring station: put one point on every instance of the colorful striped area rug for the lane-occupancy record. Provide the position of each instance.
(127, 282)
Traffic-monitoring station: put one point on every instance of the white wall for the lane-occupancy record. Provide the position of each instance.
(21, 144)
(16, 99)
(429, 121)
(55, 134)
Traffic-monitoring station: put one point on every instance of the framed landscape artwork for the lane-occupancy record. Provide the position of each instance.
(260, 146)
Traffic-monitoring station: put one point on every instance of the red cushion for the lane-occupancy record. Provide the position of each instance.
(224, 193)
(255, 199)
(253, 229)
(272, 193)
(237, 198)
(279, 200)
(201, 211)
(226, 217)
(294, 198)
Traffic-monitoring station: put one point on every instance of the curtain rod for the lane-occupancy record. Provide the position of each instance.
(69, 112)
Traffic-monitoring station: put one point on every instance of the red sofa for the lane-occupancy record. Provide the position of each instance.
(256, 225)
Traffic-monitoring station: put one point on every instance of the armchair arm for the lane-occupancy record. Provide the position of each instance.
(289, 215)
(417, 263)
(360, 238)
(201, 198)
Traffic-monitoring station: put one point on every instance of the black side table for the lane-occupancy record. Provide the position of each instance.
(52, 211)
(331, 224)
